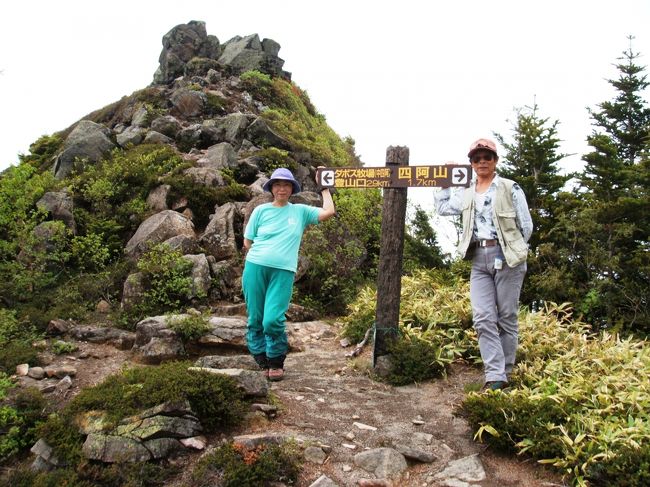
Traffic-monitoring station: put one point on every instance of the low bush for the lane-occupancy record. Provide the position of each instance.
(19, 420)
(215, 399)
(579, 401)
(237, 466)
(190, 328)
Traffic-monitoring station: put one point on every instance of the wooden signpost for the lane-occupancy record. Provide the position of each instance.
(395, 178)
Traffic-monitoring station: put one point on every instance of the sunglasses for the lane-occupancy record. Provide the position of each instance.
(482, 157)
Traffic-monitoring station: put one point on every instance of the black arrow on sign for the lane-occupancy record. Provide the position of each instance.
(460, 176)
(327, 178)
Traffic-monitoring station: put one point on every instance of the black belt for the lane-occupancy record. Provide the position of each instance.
(486, 243)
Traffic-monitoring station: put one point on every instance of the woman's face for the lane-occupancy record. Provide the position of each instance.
(281, 191)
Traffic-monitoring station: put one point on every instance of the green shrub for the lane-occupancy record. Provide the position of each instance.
(19, 420)
(216, 400)
(25, 477)
(293, 116)
(16, 339)
(237, 466)
(342, 252)
(414, 360)
(168, 279)
(190, 327)
(42, 153)
(579, 401)
(60, 347)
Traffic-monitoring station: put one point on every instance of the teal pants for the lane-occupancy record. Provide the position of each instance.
(267, 292)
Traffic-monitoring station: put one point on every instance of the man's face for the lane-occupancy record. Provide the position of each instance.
(484, 162)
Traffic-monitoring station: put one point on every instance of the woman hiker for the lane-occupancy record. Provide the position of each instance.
(272, 240)
(496, 229)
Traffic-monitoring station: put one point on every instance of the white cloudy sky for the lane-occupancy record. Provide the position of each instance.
(432, 76)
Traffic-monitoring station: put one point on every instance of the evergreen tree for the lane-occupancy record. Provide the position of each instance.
(531, 160)
(421, 249)
(606, 230)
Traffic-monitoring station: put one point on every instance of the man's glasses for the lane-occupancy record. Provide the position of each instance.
(482, 157)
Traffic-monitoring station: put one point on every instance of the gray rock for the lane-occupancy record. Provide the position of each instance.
(256, 439)
(324, 481)
(467, 469)
(154, 137)
(226, 331)
(160, 427)
(157, 229)
(220, 156)
(180, 45)
(227, 362)
(416, 454)
(248, 53)
(261, 134)
(59, 205)
(219, 237)
(206, 176)
(188, 103)
(166, 125)
(114, 449)
(121, 339)
(155, 342)
(183, 243)
(36, 373)
(200, 275)
(383, 462)
(132, 136)
(88, 142)
(157, 198)
(314, 454)
(163, 447)
(252, 383)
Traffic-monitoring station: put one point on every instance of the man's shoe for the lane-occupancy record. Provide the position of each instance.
(495, 385)
(276, 374)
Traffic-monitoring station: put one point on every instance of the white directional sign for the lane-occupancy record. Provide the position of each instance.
(460, 175)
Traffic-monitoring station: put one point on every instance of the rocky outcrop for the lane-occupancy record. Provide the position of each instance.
(187, 48)
(59, 206)
(157, 229)
(180, 45)
(89, 142)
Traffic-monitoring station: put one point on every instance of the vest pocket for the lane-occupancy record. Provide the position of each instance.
(510, 231)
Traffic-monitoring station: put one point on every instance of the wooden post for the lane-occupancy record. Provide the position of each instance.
(389, 271)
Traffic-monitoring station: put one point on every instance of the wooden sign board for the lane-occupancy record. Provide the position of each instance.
(395, 177)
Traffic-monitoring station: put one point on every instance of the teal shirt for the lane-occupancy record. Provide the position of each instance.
(276, 233)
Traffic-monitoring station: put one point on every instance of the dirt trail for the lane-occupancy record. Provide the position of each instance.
(324, 393)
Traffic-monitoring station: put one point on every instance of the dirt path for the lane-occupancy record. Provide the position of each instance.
(329, 399)
(324, 394)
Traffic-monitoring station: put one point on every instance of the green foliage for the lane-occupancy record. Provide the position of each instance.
(293, 116)
(237, 466)
(421, 249)
(579, 402)
(167, 281)
(18, 422)
(25, 477)
(60, 347)
(216, 400)
(43, 152)
(16, 339)
(532, 161)
(414, 359)
(342, 251)
(272, 158)
(190, 327)
(203, 199)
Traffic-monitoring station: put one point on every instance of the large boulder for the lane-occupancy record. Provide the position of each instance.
(180, 45)
(89, 142)
(248, 53)
(59, 205)
(218, 239)
(157, 229)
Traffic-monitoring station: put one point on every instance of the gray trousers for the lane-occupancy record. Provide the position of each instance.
(495, 302)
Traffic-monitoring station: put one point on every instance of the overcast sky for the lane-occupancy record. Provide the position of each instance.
(432, 76)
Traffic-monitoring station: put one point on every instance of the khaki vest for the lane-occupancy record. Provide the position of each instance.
(515, 248)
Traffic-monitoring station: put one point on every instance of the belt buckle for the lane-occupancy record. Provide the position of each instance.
(482, 243)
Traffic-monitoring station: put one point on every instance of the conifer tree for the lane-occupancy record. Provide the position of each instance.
(531, 160)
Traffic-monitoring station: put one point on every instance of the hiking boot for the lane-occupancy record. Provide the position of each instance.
(276, 374)
(494, 385)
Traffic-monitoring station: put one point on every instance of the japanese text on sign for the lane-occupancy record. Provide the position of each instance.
(395, 177)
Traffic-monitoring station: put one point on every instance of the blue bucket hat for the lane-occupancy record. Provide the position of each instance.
(282, 174)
